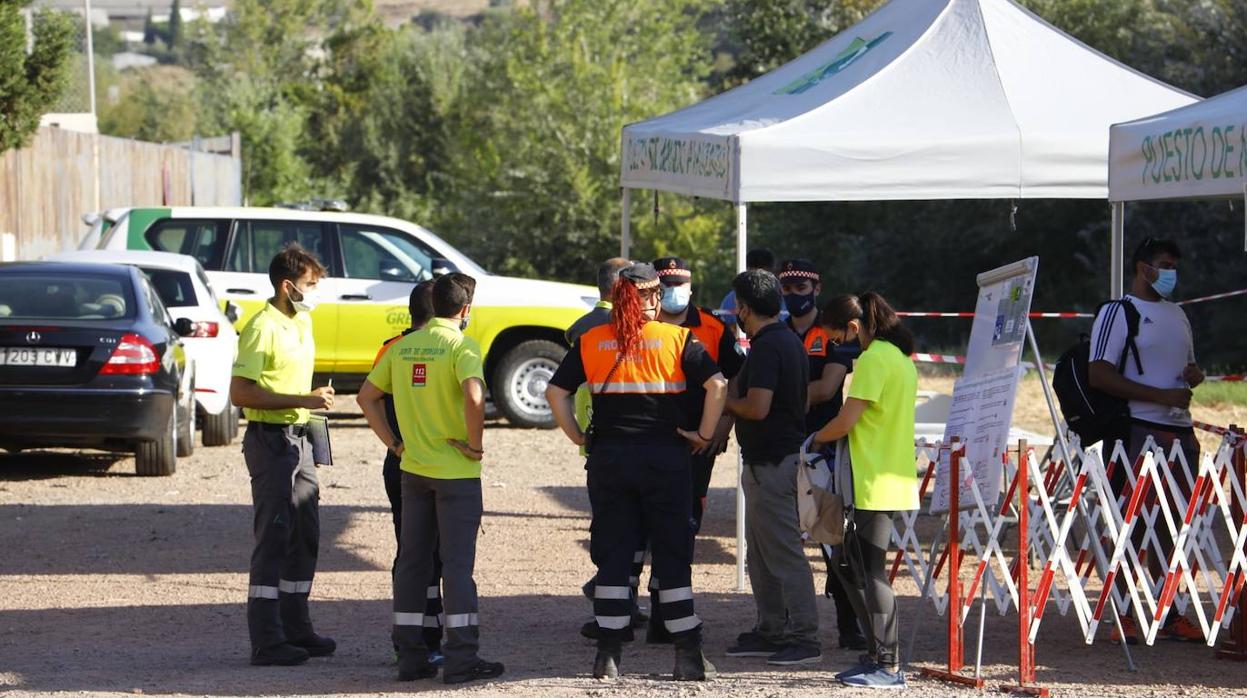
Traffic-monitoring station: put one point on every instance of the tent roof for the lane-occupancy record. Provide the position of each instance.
(923, 99)
(1197, 151)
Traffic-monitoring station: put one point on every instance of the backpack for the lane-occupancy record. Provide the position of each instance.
(1094, 414)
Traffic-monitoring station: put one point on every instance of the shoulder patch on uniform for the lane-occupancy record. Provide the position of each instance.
(816, 347)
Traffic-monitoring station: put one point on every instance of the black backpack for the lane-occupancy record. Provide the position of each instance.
(1093, 414)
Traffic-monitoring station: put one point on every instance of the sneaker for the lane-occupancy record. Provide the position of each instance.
(480, 671)
(864, 663)
(284, 654)
(751, 644)
(877, 677)
(1182, 630)
(316, 645)
(794, 655)
(436, 658)
(1129, 628)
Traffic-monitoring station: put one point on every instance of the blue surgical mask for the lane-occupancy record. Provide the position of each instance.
(675, 298)
(1166, 281)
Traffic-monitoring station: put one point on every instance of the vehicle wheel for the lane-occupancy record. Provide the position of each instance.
(186, 431)
(220, 429)
(519, 388)
(152, 458)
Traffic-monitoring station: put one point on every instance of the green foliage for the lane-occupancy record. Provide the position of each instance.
(768, 33)
(151, 104)
(256, 74)
(535, 166)
(1220, 394)
(30, 82)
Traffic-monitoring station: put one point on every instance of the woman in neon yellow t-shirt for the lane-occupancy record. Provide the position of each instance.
(878, 418)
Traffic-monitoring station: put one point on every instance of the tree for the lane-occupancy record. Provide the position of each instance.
(258, 74)
(765, 34)
(536, 153)
(175, 26)
(149, 29)
(31, 81)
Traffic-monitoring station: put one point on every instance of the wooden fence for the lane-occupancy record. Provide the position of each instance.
(46, 187)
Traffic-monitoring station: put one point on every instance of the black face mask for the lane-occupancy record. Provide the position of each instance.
(740, 322)
(799, 304)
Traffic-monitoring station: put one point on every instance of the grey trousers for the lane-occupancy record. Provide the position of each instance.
(783, 583)
(286, 501)
(868, 586)
(438, 516)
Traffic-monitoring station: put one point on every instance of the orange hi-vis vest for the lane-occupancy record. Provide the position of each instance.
(709, 332)
(817, 343)
(655, 368)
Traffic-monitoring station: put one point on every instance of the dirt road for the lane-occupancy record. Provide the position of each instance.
(114, 584)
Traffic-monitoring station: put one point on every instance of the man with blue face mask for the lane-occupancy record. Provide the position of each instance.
(1142, 351)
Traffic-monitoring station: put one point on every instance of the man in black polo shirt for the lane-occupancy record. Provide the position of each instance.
(769, 400)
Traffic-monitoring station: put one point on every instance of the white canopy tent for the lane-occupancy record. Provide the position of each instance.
(1194, 152)
(923, 99)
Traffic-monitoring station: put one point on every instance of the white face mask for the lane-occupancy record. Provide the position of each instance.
(307, 300)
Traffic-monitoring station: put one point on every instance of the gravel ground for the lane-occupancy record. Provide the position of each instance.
(114, 584)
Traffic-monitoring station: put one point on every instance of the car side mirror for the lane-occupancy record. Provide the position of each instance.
(232, 311)
(184, 326)
(442, 267)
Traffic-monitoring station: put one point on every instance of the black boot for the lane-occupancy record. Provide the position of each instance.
(413, 666)
(606, 664)
(316, 645)
(690, 663)
(283, 654)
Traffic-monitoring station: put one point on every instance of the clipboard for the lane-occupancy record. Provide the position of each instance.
(318, 434)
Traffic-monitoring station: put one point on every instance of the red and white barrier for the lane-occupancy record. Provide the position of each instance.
(1091, 542)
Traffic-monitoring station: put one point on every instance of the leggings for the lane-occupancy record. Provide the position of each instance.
(866, 582)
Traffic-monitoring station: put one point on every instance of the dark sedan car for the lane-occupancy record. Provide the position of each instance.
(89, 357)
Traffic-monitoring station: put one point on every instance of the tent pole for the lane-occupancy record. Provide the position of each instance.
(1117, 251)
(625, 224)
(741, 551)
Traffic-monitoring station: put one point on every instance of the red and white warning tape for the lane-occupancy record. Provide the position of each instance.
(1070, 316)
(1214, 297)
(970, 315)
(939, 359)
(1237, 378)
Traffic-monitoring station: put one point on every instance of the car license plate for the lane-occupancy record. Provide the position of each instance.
(38, 356)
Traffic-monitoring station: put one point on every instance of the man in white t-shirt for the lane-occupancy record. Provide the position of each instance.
(1157, 375)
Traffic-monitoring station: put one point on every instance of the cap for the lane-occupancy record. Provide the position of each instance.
(794, 269)
(641, 275)
(672, 271)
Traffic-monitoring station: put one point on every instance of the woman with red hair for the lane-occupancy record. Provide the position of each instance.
(638, 370)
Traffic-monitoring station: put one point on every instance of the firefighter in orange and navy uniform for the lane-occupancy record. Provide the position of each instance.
(829, 365)
(638, 371)
(677, 308)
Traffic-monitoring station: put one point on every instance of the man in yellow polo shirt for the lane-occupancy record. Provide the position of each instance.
(438, 384)
(272, 382)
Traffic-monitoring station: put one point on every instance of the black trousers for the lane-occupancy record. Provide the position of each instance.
(867, 583)
(641, 491)
(846, 617)
(433, 613)
(285, 497)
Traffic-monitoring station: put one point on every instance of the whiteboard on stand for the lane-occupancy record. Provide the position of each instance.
(983, 399)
